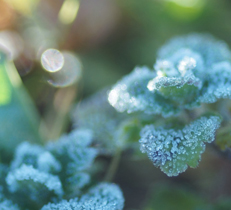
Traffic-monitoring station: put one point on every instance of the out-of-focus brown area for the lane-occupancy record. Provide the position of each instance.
(7, 15)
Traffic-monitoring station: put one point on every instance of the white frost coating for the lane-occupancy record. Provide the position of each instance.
(21, 177)
(113, 97)
(158, 82)
(127, 94)
(104, 196)
(173, 150)
(210, 49)
(8, 205)
(26, 153)
(219, 83)
(75, 156)
(186, 64)
(133, 95)
(36, 156)
(73, 152)
(186, 76)
(46, 162)
(165, 68)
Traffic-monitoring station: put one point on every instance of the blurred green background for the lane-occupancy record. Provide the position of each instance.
(110, 38)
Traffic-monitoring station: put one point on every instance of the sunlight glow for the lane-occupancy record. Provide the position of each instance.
(187, 3)
(68, 11)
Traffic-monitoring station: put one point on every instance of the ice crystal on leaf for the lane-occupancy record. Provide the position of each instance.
(212, 64)
(46, 162)
(8, 205)
(39, 175)
(174, 150)
(73, 151)
(218, 83)
(75, 156)
(36, 156)
(31, 187)
(101, 197)
(72, 204)
(131, 94)
(185, 76)
(209, 48)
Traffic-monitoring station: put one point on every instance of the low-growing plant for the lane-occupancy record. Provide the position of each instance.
(170, 113)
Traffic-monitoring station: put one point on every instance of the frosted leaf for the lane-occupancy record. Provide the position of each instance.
(46, 162)
(180, 90)
(186, 64)
(212, 65)
(131, 94)
(8, 205)
(165, 68)
(185, 60)
(102, 197)
(31, 187)
(36, 156)
(187, 74)
(75, 156)
(78, 181)
(26, 153)
(219, 83)
(72, 204)
(174, 150)
(72, 151)
(210, 49)
(79, 137)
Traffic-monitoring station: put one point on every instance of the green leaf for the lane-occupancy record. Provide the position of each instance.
(18, 117)
(128, 132)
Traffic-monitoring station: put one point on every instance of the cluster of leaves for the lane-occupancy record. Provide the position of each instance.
(53, 173)
(56, 175)
(112, 130)
(190, 71)
(159, 117)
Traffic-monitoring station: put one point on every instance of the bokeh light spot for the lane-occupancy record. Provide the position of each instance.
(52, 60)
(11, 44)
(68, 74)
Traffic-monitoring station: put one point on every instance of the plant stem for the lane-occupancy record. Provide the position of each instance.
(113, 166)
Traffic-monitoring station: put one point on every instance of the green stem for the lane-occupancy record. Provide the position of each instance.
(113, 166)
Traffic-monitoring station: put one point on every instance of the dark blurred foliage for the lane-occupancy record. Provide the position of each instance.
(111, 38)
